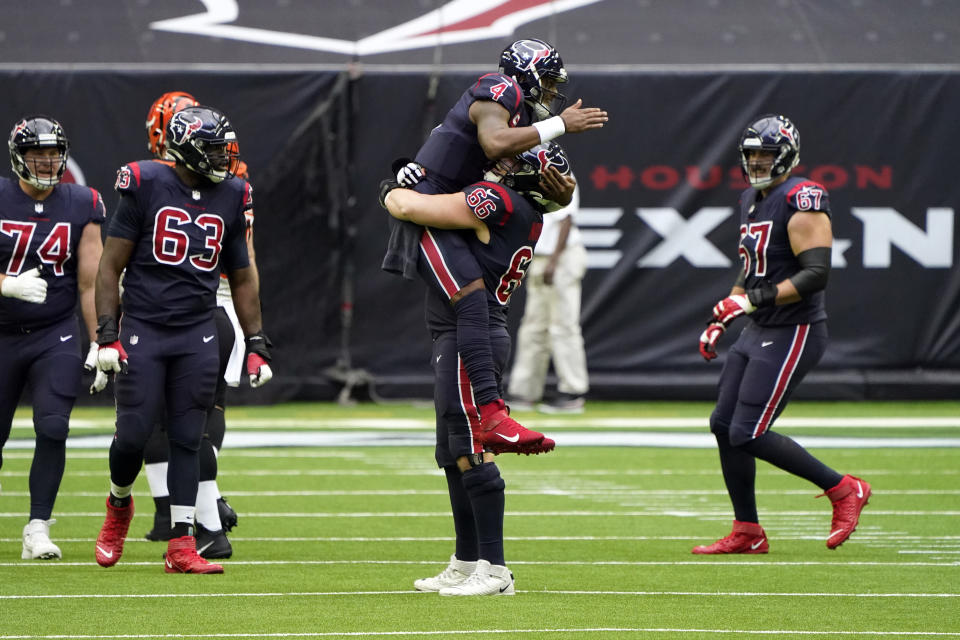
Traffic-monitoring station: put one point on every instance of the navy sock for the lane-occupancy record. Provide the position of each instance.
(473, 344)
(49, 459)
(464, 525)
(485, 488)
(739, 474)
(208, 461)
(785, 453)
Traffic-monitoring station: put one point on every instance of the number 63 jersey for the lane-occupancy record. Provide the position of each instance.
(47, 232)
(765, 246)
(181, 235)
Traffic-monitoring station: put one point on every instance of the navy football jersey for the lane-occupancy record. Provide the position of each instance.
(34, 232)
(452, 153)
(765, 246)
(182, 236)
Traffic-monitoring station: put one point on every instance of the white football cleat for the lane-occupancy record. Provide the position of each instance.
(36, 541)
(487, 580)
(455, 573)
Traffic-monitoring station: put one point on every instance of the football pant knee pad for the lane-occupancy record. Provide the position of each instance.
(483, 479)
(52, 427)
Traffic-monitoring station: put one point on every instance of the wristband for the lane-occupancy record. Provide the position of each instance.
(763, 296)
(550, 128)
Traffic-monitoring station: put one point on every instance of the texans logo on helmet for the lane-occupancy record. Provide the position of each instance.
(786, 133)
(534, 50)
(183, 126)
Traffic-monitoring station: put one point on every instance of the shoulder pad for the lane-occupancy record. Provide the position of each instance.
(99, 209)
(489, 201)
(498, 88)
(128, 177)
(808, 195)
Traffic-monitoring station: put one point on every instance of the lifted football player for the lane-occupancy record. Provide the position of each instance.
(501, 115)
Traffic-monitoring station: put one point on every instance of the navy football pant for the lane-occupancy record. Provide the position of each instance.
(171, 368)
(49, 359)
(453, 395)
(761, 372)
(157, 450)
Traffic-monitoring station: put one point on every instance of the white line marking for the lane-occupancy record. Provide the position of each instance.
(236, 439)
(656, 631)
(719, 594)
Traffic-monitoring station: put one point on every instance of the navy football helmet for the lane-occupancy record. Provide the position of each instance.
(37, 132)
(538, 69)
(202, 140)
(772, 133)
(524, 175)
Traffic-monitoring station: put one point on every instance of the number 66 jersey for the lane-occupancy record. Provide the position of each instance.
(181, 235)
(765, 246)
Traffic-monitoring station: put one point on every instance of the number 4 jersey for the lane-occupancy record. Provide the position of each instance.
(47, 232)
(181, 235)
(765, 246)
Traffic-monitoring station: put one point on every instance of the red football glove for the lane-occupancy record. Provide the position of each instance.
(732, 307)
(708, 340)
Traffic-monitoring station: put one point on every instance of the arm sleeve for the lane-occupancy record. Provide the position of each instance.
(814, 271)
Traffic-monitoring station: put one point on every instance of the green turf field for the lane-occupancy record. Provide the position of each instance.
(331, 537)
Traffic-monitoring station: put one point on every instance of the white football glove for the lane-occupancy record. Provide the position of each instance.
(99, 377)
(410, 174)
(29, 286)
(260, 375)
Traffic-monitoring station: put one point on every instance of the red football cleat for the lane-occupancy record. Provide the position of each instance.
(502, 434)
(849, 498)
(182, 557)
(113, 533)
(746, 537)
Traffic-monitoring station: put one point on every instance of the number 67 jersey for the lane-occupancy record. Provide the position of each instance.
(765, 246)
(181, 235)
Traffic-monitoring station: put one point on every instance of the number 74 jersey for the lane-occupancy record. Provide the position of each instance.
(182, 236)
(765, 250)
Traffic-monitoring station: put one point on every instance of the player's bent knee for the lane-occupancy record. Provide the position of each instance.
(718, 425)
(483, 479)
(52, 427)
(740, 437)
